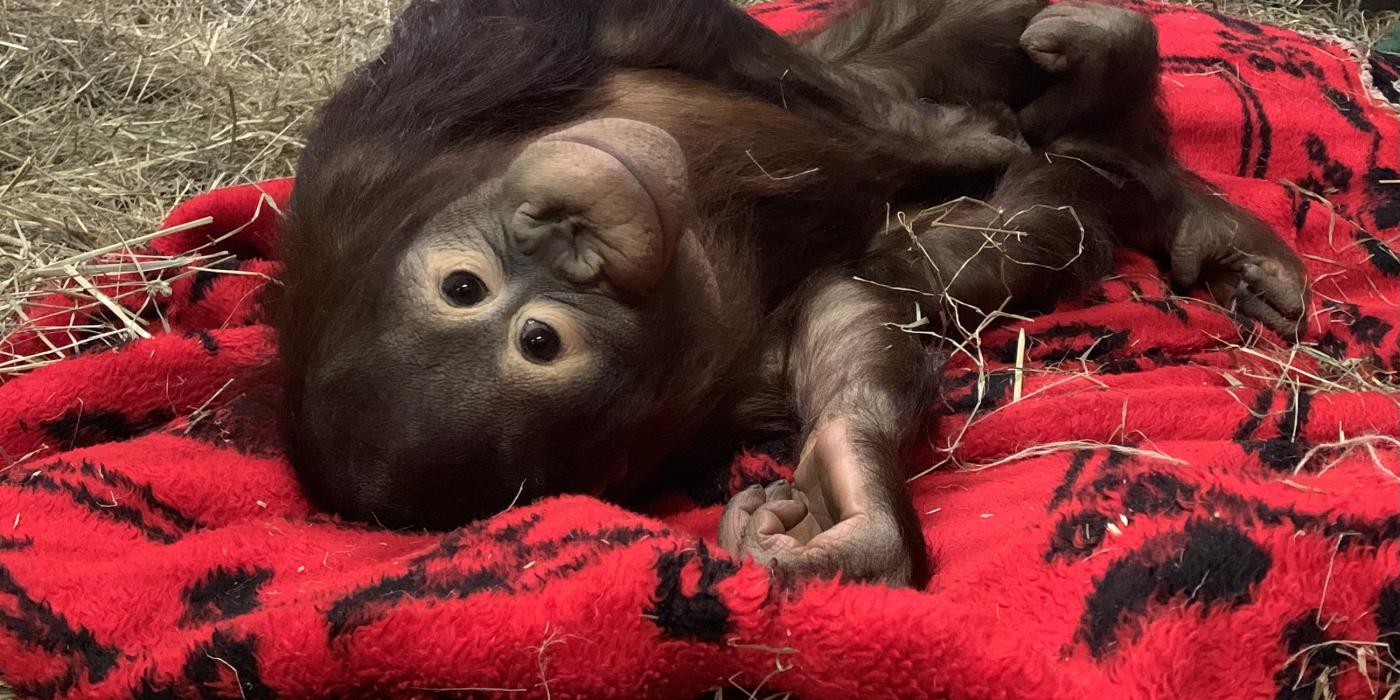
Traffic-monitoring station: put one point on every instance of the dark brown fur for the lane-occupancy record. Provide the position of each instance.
(789, 207)
(1101, 173)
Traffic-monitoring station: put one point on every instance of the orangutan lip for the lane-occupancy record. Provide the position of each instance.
(612, 475)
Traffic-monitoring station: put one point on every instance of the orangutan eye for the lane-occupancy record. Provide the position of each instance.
(539, 342)
(463, 289)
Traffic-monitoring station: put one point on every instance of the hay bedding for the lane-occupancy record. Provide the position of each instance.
(1141, 496)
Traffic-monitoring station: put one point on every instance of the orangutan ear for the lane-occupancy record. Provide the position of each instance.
(604, 201)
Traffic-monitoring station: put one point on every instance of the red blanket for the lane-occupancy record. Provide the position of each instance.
(1167, 505)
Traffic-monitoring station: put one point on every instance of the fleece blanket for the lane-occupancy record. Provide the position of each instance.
(1139, 495)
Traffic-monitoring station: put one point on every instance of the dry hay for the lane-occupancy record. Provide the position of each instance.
(1338, 18)
(112, 111)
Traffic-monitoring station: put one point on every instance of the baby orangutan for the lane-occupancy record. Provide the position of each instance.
(541, 247)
